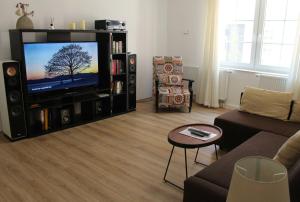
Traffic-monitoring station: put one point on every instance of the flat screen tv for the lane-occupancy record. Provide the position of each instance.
(60, 66)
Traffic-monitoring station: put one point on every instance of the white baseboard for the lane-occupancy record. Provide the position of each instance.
(231, 106)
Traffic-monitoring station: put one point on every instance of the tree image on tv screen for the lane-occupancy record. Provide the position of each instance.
(69, 60)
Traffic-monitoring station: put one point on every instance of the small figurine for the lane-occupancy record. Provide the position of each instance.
(24, 22)
(52, 23)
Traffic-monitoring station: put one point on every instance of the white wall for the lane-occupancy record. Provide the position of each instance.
(184, 30)
(146, 24)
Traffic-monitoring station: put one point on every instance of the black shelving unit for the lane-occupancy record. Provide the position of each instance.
(119, 100)
(108, 99)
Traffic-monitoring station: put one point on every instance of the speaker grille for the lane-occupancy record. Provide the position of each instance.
(14, 96)
(12, 82)
(11, 71)
(16, 111)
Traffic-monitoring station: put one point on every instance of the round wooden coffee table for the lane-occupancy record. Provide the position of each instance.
(186, 142)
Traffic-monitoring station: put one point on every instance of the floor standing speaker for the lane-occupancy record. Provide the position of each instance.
(132, 81)
(11, 98)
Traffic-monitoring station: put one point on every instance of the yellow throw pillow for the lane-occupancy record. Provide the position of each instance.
(289, 152)
(295, 116)
(266, 103)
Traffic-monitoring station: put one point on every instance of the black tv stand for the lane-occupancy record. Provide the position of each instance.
(57, 111)
(71, 94)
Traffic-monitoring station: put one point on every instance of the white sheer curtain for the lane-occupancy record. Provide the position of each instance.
(208, 92)
(294, 77)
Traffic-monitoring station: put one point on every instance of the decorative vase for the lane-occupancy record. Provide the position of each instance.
(24, 22)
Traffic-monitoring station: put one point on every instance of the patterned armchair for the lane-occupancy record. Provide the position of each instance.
(169, 88)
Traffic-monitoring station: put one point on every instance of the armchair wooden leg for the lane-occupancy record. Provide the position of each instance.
(156, 103)
(191, 101)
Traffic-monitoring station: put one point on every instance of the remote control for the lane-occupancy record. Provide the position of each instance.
(198, 131)
(197, 134)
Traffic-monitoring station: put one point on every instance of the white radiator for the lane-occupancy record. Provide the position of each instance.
(272, 82)
(224, 78)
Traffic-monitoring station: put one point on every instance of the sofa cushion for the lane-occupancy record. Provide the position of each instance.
(239, 126)
(289, 152)
(266, 103)
(263, 144)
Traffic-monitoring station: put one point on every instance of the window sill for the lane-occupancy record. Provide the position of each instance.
(258, 73)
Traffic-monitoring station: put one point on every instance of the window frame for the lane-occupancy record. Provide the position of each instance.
(257, 45)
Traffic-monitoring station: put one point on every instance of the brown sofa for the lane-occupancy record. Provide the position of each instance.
(249, 135)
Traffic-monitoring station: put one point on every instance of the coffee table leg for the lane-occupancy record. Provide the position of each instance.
(168, 164)
(196, 156)
(186, 171)
(216, 150)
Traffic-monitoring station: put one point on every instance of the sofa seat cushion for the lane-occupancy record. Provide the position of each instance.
(263, 144)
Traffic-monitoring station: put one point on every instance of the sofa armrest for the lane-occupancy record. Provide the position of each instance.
(294, 181)
(199, 190)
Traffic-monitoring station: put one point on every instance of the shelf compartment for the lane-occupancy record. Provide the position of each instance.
(119, 103)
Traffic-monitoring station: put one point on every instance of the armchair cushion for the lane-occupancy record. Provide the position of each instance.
(163, 79)
(175, 80)
(169, 80)
(174, 96)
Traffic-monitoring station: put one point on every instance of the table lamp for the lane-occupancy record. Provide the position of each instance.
(258, 179)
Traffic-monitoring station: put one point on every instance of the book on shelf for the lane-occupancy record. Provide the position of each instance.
(117, 47)
(114, 47)
(117, 67)
(114, 67)
(120, 48)
(45, 119)
(42, 118)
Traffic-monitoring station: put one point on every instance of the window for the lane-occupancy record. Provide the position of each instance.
(258, 34)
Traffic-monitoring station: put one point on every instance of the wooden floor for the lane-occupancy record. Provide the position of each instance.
(118, 159)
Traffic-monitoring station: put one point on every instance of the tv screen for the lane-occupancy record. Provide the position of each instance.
(58, 66)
